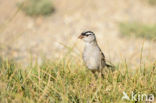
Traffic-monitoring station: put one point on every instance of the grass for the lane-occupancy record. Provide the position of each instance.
(151, 2)
(37, 7)
(138, 30)
(70, 82)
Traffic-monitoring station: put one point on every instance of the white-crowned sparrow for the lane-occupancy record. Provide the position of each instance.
(93, 57)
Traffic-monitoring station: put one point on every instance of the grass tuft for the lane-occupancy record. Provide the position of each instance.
(68, 81)
(151, 2)
(37, 7)
(138, 30)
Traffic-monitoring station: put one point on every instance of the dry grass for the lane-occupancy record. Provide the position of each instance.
(67, 81)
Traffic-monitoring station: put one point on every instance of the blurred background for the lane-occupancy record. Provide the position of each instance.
(33, 29)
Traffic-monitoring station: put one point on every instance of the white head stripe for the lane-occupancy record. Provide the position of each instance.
(89, 33)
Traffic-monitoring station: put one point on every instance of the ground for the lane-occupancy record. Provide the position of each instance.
(23, 37)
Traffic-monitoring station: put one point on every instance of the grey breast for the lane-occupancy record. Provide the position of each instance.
(92, 57)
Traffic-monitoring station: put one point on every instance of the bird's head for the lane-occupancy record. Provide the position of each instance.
(87, 36)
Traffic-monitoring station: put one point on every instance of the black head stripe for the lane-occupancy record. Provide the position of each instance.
(83, 33)
(87, 33)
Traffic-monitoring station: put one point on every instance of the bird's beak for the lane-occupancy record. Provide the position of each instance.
(81, 36)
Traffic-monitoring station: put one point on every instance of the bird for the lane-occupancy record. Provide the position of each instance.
(93, 57)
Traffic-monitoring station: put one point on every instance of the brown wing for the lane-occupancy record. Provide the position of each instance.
(103, 61)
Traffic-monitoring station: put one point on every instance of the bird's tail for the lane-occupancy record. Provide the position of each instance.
(110, 66)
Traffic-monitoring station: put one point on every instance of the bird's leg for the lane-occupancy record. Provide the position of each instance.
(101, 73)
(95, 73)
